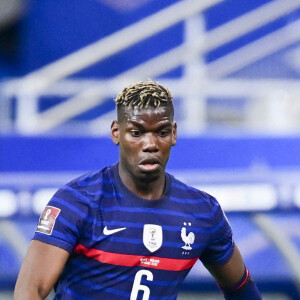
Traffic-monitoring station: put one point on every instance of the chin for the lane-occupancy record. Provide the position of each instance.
(149, 177)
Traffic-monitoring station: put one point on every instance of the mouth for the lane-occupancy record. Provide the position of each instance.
(149, 164)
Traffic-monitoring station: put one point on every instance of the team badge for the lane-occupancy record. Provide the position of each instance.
(187, 238)
(47, 220)
(152, 237)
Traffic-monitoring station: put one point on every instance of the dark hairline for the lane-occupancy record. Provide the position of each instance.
(123, 110)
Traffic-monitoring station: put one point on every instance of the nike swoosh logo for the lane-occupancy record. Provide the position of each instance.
(112, 231)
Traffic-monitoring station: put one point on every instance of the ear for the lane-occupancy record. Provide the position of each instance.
(174, 134)
(115, 132)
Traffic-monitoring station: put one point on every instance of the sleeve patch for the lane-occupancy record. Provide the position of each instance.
(47, 220)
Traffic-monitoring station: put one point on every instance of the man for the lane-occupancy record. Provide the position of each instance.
(132, 231)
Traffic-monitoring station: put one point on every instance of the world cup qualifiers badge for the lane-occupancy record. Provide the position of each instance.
(47, 220)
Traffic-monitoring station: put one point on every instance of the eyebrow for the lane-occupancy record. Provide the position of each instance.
(140, 126)
(136, 124)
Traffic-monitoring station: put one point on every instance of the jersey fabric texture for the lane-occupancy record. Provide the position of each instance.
(125, 247)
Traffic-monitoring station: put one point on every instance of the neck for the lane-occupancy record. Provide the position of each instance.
(149, 190)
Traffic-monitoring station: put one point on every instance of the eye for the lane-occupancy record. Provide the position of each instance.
(135, 133)
(164, 133)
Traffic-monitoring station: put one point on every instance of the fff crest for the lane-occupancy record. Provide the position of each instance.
(152, 237)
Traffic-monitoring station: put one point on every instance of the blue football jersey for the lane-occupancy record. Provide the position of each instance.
(125, 247)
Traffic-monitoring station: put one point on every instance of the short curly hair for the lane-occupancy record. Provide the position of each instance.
(143, 94)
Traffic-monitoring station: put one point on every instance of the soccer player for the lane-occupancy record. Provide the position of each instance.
(131, 230)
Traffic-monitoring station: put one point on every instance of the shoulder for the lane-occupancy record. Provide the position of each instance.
(186, 191)
(82, 189)
(204, 207)
(87, 180)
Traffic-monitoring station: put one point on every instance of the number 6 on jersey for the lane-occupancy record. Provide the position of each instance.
(137, 286)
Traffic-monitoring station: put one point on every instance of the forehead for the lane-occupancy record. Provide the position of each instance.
(147, 115)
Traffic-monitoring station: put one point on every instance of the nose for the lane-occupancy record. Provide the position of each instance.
(150, 142)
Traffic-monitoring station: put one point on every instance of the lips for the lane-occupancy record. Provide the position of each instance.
(150, 161)
(150, 164)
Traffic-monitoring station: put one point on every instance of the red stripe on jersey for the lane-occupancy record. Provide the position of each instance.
(169, 264)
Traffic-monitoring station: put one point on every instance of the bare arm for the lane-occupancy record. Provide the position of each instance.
(234, 280)
(40, 270)
(229, 274)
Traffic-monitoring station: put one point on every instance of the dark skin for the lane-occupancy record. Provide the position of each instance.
(145, 138)
(145, 133)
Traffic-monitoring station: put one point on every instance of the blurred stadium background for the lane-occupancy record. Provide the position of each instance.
(233, 67)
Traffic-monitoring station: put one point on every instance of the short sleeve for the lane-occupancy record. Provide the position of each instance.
(221, 246)
(63, 218)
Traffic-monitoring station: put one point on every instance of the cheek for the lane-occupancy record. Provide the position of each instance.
(129, 149)
(165, 146)
(166, 142)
